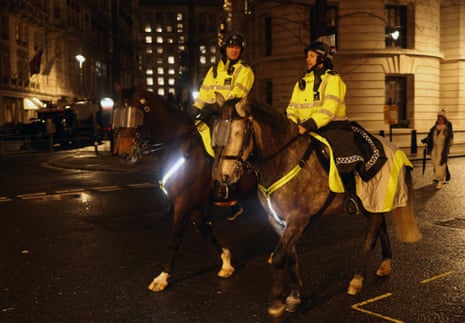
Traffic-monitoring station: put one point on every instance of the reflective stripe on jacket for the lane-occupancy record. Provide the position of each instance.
(330, 107)
(236, 85)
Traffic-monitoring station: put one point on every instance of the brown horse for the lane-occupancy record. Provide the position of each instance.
(147, 122)
(294, 186)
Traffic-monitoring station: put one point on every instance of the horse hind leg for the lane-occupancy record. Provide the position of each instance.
(374, 224)
(385, 269)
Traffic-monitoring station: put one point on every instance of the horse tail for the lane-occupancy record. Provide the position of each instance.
(404, 217)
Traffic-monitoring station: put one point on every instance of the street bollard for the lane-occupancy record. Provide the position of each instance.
(413, 142)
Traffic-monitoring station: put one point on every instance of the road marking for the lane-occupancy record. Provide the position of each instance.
(372, 300)
(72, 190)
(107, 188)
(31, 196)
(425, 281)
(142, 185)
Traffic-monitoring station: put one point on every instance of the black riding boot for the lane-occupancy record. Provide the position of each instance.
(351, 201)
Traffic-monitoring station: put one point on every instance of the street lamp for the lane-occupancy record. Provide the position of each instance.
(81, 59)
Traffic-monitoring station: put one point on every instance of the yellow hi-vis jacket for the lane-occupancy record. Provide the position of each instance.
(235, 85)
(330, 107)
(231, 86)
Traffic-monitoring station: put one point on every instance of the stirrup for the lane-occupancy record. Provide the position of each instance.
(351, 206)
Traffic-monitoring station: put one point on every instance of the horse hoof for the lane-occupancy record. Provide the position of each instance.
(157, 287)
(276, 309)
(384, 269)
(292, 304)
(159, 283)
(225, 273)
(355, 285)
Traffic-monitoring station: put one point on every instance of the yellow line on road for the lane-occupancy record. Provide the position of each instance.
(31, 196)
(108, 188)
(72, 190)
(425, 281)
(372, 300)
(4, 199)
(142, 185)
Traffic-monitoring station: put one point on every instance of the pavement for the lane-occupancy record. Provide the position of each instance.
(88, 158)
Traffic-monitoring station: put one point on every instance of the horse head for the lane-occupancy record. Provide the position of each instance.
(233, 140)
(140, 118)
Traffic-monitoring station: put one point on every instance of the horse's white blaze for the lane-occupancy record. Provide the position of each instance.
(226, 269)
(160, 282)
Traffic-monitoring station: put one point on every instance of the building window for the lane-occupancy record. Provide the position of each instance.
(161, 81)
(148, 29)
(268, 36)
(400, 22)
(324, 24)
(149, 81)
(149, 71)
(399, 99)
(148, 39)
(160, 71)
(171, 60)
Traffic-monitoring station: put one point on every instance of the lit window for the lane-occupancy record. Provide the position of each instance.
(170, 59)
(160, 50)
(159, 60)
(148, 39)
(161, 92)
(170, 40)
(149, 71)
(149, 81)
(171, 81)
(169, 29)
(150, 89)
(161, 81)
(396, 26)
(159, 40)
(182, 48)
(148, 50)
(171, 71)
(159, 29)
(213, 50)
(172, 90)
(179, 16)
(203, 60)
(180, 28)
(181, 39)
(160, 71)
(213, 59)
(202, 49)
(148, 29)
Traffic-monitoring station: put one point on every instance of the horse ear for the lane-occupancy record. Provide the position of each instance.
(241, 107)
(219, 99)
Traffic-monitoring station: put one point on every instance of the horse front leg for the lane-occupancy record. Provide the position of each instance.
(160, 283)
(374, 224)
(284, 260)
(204, 227)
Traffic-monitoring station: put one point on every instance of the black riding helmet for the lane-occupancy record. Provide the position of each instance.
(325, 56)
(233, 39)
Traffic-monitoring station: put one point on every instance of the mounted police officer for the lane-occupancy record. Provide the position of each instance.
(232, 78)
(318, 104)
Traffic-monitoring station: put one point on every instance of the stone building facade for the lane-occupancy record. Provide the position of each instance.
(401, 60)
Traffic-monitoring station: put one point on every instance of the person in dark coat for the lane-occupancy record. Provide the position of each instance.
(438, 141)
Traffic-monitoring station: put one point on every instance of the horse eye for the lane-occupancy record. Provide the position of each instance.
(142, 101)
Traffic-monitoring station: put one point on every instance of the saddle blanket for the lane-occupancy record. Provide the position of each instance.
(387, 190)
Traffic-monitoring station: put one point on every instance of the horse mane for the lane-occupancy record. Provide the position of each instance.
(271, 116)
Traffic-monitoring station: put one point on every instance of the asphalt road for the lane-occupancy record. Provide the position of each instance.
(80, 243)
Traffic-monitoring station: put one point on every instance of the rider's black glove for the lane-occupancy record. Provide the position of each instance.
(310, 125)
(203, 114)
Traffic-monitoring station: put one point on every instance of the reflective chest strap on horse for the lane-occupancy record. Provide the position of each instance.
(286, 179)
